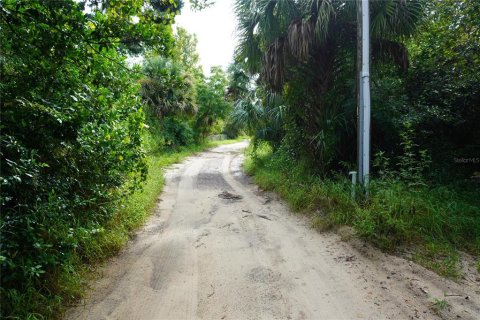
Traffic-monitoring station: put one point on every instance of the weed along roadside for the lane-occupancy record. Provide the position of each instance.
(437, 227)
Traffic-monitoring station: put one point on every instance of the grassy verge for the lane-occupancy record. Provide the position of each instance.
(70, 281)
(433, 222)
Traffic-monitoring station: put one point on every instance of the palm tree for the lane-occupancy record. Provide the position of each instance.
(167, 88)
(276, 35)
(303, 45)
(261, 114)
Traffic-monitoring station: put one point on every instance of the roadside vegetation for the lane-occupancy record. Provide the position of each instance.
(430, 223)
(296, 95)
(86, 136)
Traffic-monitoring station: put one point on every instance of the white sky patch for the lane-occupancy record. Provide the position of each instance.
(215, 30)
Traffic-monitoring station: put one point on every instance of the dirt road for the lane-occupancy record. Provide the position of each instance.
(217, 248)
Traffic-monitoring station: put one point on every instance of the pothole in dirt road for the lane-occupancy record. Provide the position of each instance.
(212, 180)
(226, 226)
(199, 243)
(229, 196)
(263, 275)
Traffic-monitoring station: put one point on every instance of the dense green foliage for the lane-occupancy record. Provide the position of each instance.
(167, 88)
(213, 105)
(71, 131)
(302, 56)
(190, 105)
(75, 143)
(305, 51)
(294, 86)
(443, 85)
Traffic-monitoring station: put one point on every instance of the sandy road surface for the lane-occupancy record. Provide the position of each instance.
(205, 257)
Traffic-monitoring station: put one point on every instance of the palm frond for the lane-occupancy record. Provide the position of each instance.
(322, 11)
(300, 38)
(248, 49)
(167, 88)
(391, 50)
(395, 18)
(275, 108)
(276, 35)
(248, 113)
(274, 63)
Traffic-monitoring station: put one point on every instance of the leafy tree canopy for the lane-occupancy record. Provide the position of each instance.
(72, 126)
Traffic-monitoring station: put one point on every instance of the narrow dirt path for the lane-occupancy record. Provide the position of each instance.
(217, 248)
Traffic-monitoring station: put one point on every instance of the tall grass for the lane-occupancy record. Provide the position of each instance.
(435, 222)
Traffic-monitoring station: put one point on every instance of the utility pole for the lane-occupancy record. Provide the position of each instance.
(363, 60)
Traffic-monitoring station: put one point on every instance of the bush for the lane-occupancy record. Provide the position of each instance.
(176, 132)
(64, 163)
(71, 141)
(213, 107)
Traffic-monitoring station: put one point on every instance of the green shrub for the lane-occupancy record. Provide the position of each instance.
(61, 173)
(176, 132)
(213, 107)
(71, 138)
